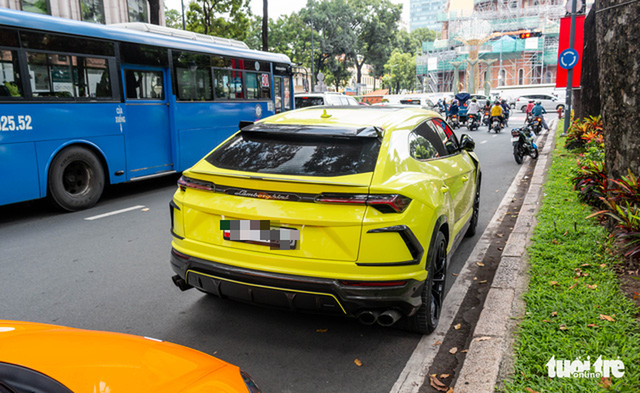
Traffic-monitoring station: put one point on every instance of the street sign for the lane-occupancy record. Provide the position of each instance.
(568, 58)
(578, 5)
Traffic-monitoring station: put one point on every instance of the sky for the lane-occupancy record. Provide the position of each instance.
(285, 7)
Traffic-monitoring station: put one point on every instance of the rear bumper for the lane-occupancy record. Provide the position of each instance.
(297, 293)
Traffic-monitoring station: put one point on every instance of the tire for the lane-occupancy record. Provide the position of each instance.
(76, 179)
(517, 153)
(534, 154)
(524, 108)
(476, 212)
(426, 318)
(560, 106)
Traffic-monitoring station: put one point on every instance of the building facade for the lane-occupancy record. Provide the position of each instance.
(424, 13)
(96, 11)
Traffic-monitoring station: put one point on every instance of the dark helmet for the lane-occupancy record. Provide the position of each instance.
(497, 102)
(531, 101)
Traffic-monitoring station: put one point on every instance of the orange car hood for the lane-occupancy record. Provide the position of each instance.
(103, 362)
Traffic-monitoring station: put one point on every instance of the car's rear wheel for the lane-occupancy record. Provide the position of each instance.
(524, 108)
(426, 318)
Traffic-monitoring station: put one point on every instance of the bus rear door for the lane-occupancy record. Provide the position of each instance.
(148, 131)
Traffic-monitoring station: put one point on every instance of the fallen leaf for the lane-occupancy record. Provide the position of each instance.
(546, 321)
(475, 278)
(480, 264)
(554, 241)
(437, 343)
(606, 318)
(530, 390)
(573, 286)
(605, 382)
(563, 327)
(482, 338)
(358, 362)
(455, 274)
(603, 265)
(436, 384)
(499, 235)
(594, 286)
(464, 351)
(554, 314)
(444, 376)
(553, 283)
(450, 390)
(483, 282)
(636, 295)
(458, 326)
(453, 350)
(592, 325)
(565, 234)
(585, 274)
(585, 264)
(322, 330)
(146, 209)
(499, 248)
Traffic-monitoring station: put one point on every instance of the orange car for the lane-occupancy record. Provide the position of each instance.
(44, 358)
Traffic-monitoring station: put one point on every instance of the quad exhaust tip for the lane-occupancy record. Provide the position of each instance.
(389, 317)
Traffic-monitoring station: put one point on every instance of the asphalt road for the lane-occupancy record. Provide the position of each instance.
(113, 274)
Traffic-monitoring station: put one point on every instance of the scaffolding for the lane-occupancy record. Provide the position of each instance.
(503, 60)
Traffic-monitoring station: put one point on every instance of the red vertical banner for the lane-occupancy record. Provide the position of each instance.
(565, 32)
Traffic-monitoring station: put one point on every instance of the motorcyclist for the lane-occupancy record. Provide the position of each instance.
(505, 109)
(529, 106)
(473, 108)
(496, 111)
(453, 109)
(537, 111)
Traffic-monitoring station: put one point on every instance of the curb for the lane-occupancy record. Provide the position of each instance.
(489, 359)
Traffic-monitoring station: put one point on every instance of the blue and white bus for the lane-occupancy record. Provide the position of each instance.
(84, 105)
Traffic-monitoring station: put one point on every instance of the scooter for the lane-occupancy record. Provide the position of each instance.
(523, 144)
(486, 120)
(473, 123)
(496, 125)
(454, 122)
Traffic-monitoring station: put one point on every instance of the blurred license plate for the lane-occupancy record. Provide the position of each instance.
(260, 232)
(514, 138)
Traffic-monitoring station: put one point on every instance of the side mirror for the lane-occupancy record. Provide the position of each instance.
(467, 143)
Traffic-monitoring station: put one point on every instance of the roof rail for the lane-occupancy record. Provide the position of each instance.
(150, 28)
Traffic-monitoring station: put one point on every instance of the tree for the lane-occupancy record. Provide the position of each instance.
(374, 23)
(402, 68)
(618, 46)
(172, 18)
(222, 18)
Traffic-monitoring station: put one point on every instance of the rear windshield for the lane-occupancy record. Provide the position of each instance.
(297, 154)
(303, 102)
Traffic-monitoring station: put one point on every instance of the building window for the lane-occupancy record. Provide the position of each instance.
(92, 11)
(138, 11)
(521, 76)
(547, 77)
(37, 6)
(502, 78)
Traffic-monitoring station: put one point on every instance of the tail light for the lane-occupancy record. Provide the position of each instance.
(515, 133)
(538, 119)
(186, 182)
(384, 203)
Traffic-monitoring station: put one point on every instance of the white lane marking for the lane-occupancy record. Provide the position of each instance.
(494, 136)
(415, 371)
(114, 213)
(483, 142)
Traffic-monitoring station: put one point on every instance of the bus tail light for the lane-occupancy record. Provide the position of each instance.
(186, 182)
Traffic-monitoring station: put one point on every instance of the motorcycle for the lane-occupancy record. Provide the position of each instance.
(506, 118)
(523, 144)
(486, 120)
(536, 124)
(496, 124)
(473, 123)
(454, 122)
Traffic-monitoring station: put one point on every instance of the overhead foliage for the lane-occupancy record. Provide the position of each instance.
(221, 18)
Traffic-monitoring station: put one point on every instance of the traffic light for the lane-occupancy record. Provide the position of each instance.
(530, 34)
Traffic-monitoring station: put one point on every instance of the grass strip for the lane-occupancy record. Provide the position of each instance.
(572, 291)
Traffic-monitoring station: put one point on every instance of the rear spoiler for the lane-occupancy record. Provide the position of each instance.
(311, 130)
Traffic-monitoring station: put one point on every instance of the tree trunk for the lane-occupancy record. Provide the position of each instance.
(265, 25)
(591, 105)
(619, 61)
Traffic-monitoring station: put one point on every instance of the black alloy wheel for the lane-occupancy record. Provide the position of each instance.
(473, 223)
(426, 318)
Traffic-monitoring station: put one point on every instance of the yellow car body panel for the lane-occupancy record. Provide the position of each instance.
(92, 361)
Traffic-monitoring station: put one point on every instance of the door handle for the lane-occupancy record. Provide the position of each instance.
(444, 189)
(465, 179)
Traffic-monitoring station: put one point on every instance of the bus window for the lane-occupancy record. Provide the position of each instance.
(277, 90)
(258, 86)
(228, 84)
(287, 93)
(144, 85)
(144, 54)
(193, 77)
(10, 85)
(61, 43)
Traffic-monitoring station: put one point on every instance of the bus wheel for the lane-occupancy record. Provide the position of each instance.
(76, 179)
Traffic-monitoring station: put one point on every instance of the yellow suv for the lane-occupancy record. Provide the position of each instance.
(339, 210)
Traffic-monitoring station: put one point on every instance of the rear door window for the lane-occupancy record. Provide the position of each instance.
(303, 102)
(296, 155)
